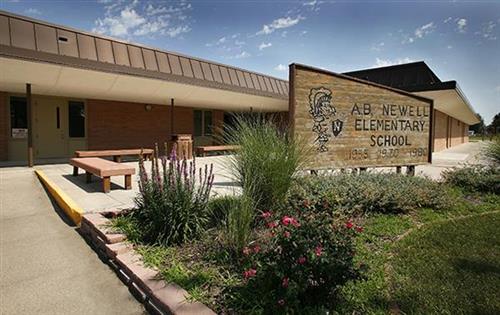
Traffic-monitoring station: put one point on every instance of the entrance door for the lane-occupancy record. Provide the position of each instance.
(51, 127)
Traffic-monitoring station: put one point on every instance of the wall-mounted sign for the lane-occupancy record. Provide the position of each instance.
(19, 133)
(355, 123)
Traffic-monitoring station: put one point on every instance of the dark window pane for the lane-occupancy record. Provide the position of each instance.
(18, 114)
(208, 123)
(76, 118)
(198, 123)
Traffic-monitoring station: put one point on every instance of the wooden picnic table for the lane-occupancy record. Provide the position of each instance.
(116, 154)
(104, 169)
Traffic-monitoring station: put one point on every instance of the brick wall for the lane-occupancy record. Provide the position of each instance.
(4, 125)
(119, 125)
(456, 133)
(466, 133)
(440, 130)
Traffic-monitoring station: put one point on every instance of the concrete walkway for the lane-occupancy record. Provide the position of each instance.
(45, 266)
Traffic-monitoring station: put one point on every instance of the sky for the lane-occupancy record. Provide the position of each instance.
(459, 40)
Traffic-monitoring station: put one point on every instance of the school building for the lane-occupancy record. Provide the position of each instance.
(63, 89)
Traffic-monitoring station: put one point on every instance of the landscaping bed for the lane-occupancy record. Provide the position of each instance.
(304, 244)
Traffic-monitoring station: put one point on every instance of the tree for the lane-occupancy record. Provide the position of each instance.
(494, 127)
(478, 128)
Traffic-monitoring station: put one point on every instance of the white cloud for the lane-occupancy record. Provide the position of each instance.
(424, 30)
(227, 43)
(119, 25)
(32, 11)
(131, 18)
(447, 19)
(387, 62)
(310, 3)
(377, 47)
(176, 31)
(313, 5)
(449, 47)
(497, 88)
(280, 23)
(243, 54)
(263, 46)
(281, 68)
(487, 31)
(461, 25)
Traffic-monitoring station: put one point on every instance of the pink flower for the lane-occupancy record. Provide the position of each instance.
(272, 224)
(349, 224)
(256, 248)
(286, 234)
(281, 302)
(359, 229)
(266, 214)
(284, 282)
(246, 251)
(301, 260)
(318, 250)
(286, 220)
(247, 274)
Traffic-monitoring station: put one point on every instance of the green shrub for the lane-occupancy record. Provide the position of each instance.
(492, 151)
(301, 262)
(172, 206)
(368, 192)
(267, 161)
(474, 178)
(234, 216)
(239, 222)
(219, 208)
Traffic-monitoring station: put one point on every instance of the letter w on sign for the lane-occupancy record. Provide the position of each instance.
(337, 127)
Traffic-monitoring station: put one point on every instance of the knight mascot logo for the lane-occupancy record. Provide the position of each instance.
(321, 111)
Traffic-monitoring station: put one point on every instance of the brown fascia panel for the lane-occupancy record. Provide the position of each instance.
(30, 39)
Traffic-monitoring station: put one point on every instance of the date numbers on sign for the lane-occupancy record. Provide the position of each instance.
(388, 153)
(418, 152)
(357, 154)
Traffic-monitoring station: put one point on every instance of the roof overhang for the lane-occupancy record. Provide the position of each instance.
(449, 99)
(67, 81)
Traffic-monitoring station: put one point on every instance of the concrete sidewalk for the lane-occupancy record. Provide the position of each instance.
(45, 266)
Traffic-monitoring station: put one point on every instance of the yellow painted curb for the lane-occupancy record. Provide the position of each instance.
(62, 199)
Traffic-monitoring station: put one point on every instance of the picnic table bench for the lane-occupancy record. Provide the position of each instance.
(104, 169)
(203, 150)
(116, 154)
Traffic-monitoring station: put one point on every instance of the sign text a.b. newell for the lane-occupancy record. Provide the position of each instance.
(355, 123)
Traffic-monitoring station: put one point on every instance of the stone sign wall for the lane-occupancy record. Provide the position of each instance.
(355, 123)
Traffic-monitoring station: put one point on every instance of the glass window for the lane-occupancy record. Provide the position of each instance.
(198, 123)
(76, 119)
(18, 117)
(208, 123)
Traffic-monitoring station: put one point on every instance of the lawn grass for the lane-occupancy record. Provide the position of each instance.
(378, 248)
(450, 267)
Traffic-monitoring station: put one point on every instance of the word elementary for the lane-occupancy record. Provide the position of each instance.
(399, 118)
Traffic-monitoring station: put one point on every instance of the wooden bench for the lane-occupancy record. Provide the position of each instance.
(104, 169)
(116, 154)
(203, 150)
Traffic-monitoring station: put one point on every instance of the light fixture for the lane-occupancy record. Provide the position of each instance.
(148, 107)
